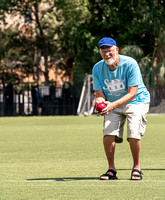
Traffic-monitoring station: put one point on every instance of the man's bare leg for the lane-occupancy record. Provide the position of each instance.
(135, 146)
(109, 147)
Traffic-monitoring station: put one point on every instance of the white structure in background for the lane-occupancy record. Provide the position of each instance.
(85, 98)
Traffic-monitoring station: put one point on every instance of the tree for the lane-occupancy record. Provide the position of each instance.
(75, 39)
(38, 15)
(67, 32)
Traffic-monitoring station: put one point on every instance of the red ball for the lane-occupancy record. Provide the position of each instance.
(100, 106)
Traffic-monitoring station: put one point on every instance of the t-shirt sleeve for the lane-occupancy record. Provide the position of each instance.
(134, 75)
(96, 81)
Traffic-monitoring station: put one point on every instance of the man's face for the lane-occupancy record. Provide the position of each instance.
(109, 54)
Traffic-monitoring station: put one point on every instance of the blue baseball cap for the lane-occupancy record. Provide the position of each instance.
(107, 42)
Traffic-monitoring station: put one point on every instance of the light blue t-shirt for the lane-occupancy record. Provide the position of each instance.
(115, 83)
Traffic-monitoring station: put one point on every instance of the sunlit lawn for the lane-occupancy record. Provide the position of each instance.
(63, 157)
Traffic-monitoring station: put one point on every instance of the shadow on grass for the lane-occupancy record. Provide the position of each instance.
(82, 178)
(145, 169)
(64, 179)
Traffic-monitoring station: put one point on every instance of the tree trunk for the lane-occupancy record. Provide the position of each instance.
(43, 44)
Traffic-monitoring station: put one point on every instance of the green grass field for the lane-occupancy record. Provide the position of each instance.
(43, 158)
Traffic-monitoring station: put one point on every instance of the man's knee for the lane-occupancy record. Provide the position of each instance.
(108, 139)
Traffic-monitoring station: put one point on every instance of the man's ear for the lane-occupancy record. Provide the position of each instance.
(100, 51)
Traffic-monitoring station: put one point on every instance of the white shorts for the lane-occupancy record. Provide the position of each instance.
(136, 121)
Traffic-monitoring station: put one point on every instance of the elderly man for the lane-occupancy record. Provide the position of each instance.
(117, 81)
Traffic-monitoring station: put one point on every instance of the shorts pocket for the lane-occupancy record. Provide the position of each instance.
(143, 124)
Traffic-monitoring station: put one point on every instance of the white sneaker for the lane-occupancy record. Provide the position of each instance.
(87, 113)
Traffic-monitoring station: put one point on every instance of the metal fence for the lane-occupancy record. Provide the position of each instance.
(22, 101)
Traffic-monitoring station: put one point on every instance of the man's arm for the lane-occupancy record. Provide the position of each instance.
(132, 91)
(100, 97)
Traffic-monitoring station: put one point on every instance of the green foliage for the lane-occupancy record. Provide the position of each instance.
(133, 51)
(67, 32)
(16, 55)
(147, 70)
(135, 25)
(42, 42)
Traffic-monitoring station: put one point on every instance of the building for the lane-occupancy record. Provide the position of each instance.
(20, 99)
(25, 23)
